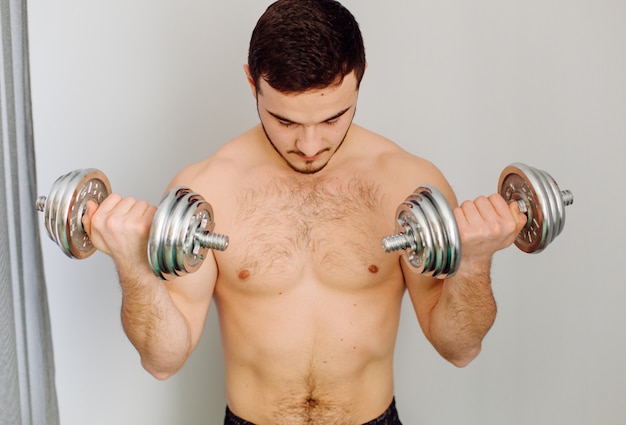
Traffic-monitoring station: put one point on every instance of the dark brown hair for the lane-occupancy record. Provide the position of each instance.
(301, 45)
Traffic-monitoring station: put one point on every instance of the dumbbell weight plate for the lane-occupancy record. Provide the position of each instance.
(447, 231)
(412, 222)
(427, 218)
(172, 246)
(65, 205)
(542, 197)
(559, 206)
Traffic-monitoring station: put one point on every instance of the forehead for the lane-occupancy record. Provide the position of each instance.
(311, 106)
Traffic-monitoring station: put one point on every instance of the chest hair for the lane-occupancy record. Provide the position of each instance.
(323, 218)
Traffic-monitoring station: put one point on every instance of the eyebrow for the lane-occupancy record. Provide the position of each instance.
(334, 117)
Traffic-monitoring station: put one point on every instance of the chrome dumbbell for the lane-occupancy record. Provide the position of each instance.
(428, 234)
(180, 235)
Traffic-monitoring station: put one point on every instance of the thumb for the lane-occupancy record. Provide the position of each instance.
(521, 219)
(90, 209)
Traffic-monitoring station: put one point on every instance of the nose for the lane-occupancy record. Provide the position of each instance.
(309, 141)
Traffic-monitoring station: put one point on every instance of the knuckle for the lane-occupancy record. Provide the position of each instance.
(496, 197)
(509, 227)
(466, 204)
(112, 199)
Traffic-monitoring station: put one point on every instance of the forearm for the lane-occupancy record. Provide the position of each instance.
(464, 314)
(152, 310)
(153, 324)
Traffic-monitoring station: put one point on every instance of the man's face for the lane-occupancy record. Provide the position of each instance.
(306, 129)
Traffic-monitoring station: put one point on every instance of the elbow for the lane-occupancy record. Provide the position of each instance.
(159, 372)
(161, 376)
(462, 358)
(462, 362)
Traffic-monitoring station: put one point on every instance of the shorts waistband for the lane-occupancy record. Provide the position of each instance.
(389, 417)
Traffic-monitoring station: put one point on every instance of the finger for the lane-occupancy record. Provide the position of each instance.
(500, 206)
(521, 219)
(508, 209)
(92, 207)
(142, 213)
(472, 211)
(487, 210)
(150, 211)
(125, 206)
(109, 203)
(465, 212)
(140, 208)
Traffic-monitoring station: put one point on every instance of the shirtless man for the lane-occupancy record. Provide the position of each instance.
(308, 301)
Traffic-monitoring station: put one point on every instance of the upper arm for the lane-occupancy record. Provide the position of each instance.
(192, 292)
(424, 291)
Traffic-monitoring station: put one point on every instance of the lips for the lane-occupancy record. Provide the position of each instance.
(313, 158)
(309, 158)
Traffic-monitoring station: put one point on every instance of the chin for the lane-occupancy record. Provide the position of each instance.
(308, 168)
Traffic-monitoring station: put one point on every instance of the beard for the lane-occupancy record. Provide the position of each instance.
(309, 167)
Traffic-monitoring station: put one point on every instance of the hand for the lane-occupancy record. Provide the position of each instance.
(120, 227)
(486, 225)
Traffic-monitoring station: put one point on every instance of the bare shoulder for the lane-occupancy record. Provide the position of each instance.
(399, 169)
(219, 169)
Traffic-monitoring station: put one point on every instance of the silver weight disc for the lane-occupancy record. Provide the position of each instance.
(412, 222)
(451, 239)
(553, 213)
(560, 205)
(157, 238)
(543, 199)
(427, 218)
(173, 249)
(433, 224)
(65, 205)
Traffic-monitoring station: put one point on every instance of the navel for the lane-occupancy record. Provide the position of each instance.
(312, 403)
(373, 268)
(244, 274)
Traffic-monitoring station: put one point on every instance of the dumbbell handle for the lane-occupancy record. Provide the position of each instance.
(211, 240)
(397, 242)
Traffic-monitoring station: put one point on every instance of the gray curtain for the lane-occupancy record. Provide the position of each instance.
(27, 391)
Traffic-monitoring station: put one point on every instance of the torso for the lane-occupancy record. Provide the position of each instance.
(308, 301)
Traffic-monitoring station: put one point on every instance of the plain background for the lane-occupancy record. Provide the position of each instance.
(140, 88)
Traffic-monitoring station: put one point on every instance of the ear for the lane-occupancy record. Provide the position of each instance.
(251, 81)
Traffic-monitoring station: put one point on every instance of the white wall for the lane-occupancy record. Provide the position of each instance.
(141, 88)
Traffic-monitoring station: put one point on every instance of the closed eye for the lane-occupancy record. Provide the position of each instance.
(285, 124)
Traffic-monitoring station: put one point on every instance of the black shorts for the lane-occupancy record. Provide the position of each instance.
(389, 417)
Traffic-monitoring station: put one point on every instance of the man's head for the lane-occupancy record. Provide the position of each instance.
(306, 62)
(303, 45)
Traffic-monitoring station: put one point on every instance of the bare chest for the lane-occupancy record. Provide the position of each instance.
(284, 230)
